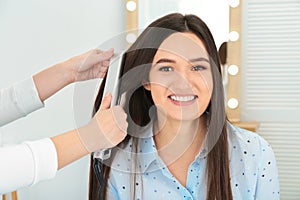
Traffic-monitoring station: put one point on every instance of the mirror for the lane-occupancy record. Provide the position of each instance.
(217, 21)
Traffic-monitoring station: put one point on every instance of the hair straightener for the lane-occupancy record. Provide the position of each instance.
(112, 86)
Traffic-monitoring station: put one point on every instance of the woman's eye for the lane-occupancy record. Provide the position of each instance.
(166, 69)
(198, 68)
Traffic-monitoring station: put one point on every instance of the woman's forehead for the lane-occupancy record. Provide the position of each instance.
(186, 45)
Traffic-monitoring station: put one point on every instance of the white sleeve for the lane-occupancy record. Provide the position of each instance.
(26, 164)
(18, 101)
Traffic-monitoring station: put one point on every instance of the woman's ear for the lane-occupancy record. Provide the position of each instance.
(146, 85)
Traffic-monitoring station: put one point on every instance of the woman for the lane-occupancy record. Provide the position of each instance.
(179, 143)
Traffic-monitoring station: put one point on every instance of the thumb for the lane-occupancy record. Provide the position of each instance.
(106, 101)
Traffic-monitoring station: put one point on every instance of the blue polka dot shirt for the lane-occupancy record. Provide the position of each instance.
(253, 171)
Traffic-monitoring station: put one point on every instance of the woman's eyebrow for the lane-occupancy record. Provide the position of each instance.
(199, 59)
(167, 60)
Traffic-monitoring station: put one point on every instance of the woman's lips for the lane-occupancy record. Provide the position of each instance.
(182, 100)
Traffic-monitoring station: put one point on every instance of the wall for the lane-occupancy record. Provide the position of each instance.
(271, 82)
(34, 35)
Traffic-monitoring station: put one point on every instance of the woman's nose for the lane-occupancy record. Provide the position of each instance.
(181, 83)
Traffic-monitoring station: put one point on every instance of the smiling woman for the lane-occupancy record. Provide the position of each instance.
(268, 105)
(179, 143)
(181, 76)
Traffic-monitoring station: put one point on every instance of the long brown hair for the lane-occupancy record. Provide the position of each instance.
(141, 53)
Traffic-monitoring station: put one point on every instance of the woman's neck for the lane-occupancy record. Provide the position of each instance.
(175, 139)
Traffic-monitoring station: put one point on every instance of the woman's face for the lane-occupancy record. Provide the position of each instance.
(180, 78)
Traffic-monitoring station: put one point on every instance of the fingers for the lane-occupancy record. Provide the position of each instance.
(120, 118)
(105, 63)
(104, 55)
(106, 101)
(120, 125)
(101, 69)
(106, 129)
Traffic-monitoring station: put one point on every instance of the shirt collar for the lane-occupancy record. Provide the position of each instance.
(149, 159)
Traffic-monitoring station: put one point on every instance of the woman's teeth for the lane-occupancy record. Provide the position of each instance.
(183, 98)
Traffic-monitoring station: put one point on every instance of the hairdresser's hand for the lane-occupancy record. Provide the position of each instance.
(90, 65)
(107, 128)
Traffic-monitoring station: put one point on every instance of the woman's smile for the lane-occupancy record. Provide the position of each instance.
(182, 100)
(180, 80)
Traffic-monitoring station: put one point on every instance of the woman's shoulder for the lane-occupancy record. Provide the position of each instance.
(243, 137)
(248, 147)
(252, 164)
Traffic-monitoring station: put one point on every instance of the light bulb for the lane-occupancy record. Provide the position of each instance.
(233, 103)
(131, 6)
(233, 3)
(233, 36)
(130, 38)
(233, 70)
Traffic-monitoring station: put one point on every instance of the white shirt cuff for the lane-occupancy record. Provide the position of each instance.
(45, 159)
(25, 164)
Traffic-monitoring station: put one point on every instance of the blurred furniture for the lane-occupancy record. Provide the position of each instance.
(13, 196)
